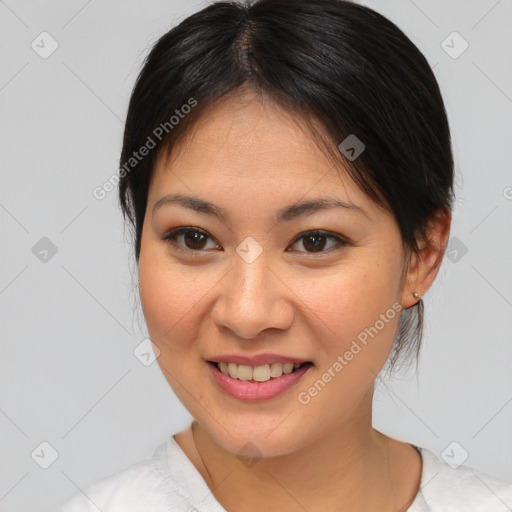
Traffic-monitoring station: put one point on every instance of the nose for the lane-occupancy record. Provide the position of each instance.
(252, 299)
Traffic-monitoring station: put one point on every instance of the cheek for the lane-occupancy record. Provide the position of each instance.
(358, 310)
(358, 315)
(352, 298)
(171, 297)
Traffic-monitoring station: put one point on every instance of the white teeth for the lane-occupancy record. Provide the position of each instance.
(261, 373)
(244, 372)
(232, 370)
(287, 367)
(276, 370)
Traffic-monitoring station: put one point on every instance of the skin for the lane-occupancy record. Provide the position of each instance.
(251, 158)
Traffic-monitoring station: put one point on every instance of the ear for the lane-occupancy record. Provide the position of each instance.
(424, 265)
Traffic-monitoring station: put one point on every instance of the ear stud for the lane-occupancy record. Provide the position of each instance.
(416, 295)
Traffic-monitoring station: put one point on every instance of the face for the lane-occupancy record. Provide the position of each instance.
(256, 251)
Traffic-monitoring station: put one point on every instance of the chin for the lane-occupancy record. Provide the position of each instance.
(247, 439)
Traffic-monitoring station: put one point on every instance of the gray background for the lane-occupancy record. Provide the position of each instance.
(70, 323)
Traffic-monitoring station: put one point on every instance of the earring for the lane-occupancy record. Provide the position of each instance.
(416, 295)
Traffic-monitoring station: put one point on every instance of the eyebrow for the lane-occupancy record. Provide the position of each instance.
(198, 205)
(286, 214)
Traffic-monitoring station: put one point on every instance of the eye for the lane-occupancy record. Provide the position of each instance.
(190, 239)
(318, 241)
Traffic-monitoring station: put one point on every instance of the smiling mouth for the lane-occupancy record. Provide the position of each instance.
(262, 373)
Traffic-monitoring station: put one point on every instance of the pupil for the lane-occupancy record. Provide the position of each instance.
(317, 243)
(195, 240)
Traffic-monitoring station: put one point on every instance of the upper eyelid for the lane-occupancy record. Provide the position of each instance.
(322, 232)
(182, 229)
(341, 240)
(175, 232)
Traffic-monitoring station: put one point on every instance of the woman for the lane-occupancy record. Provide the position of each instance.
(287, 169)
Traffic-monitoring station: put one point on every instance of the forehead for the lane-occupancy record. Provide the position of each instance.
(248, 132)
(250, 146)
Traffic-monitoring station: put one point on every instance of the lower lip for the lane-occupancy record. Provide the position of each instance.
(251, 391)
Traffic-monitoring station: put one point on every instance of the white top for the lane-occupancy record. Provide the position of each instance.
(169, 482)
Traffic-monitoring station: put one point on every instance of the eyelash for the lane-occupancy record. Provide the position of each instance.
(171, 237)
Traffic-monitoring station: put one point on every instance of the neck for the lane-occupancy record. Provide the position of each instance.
(352, 466)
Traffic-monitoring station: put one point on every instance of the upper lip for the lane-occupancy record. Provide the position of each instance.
(256, 360)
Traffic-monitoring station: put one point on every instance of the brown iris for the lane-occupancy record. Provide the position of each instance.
(314, 243)
(195, 239)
